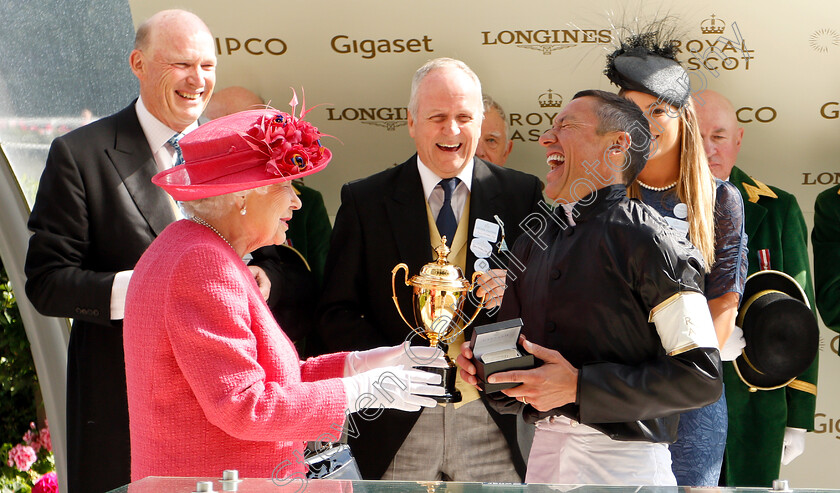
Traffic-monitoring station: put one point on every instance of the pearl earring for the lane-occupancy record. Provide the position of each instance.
(242, 211)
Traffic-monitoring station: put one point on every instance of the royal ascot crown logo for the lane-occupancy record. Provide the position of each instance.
(250, 46)
(370, 48)
(720, 46)
(823, 40)
(712, 26)
(550, 100)
(389, 118)
(529, 126)
(546, 41)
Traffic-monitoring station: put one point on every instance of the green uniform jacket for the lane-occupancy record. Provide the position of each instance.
(757, 420)
(826, 237)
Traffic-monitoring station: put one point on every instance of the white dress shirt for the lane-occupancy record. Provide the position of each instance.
(434, 194)
(157, 134)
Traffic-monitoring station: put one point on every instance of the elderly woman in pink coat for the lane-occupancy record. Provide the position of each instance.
(213, 382)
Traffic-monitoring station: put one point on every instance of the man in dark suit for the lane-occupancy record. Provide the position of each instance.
(766, 428)
(95, 213)
(396, 216)
(826, 237)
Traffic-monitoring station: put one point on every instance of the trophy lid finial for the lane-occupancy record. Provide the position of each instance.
(442, 252)
(440, 274)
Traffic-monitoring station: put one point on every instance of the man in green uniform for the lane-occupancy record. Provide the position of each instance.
(766, 428)
(826, 238)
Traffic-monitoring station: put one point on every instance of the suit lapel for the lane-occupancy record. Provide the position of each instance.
(136, 165)
(485, 202)
(754, 216)
(753, 212)
(406, 209)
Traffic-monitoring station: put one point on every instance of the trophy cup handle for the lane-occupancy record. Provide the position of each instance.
(394, 292)
(480, 305)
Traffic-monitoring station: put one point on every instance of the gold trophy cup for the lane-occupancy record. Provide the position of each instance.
(438, 296)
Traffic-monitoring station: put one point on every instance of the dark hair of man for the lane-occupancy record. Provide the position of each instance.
(617, 114)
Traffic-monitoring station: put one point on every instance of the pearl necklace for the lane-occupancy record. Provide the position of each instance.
(205, 223)
(656, 189)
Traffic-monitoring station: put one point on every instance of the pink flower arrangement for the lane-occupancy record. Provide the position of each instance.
(47, 484)
(31, 438)
(22, 456)
(291, 144)
(37, 439)
(44, 437)
(29, 463)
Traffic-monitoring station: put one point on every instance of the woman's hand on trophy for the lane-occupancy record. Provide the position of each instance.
(551, 385)
(465, 363)
(492, 283)
(403, 355)
(392, 387)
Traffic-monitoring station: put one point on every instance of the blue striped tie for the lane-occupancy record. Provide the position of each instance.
(173, 141)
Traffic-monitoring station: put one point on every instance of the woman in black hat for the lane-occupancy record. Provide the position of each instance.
(677, 183)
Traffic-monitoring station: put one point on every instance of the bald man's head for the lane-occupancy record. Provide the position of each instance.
(174, 58)
(232, 100)
(720, 131)
(163, 21)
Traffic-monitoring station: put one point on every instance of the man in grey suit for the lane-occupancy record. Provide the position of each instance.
(95, 213)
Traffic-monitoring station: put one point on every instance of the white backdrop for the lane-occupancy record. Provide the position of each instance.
(777, 62)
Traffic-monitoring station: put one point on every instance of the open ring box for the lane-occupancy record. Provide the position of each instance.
(496, 348)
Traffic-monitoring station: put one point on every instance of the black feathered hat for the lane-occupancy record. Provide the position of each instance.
(646, 64)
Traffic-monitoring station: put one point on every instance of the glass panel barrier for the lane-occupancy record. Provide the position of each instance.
(189, 485)
(64, 63)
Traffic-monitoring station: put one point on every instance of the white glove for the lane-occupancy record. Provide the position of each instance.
(392, 387)
(732, 347)
(794, 444)
(403, 355)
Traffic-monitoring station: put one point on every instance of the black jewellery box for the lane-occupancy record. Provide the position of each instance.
(496, 348)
